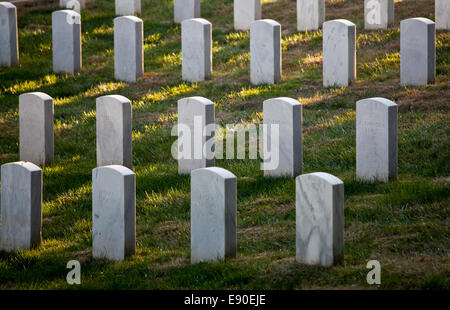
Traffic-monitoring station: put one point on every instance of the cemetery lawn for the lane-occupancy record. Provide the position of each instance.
(402, 224)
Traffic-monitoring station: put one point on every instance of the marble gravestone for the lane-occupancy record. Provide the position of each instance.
(21, 206)
(75, 5)
(265, 52)
(417, 52)
(196, 49)
(378, 14)
(319, 219)
(114, 131)
(128, 7)
(66, 38)
(339, 53)
(186, 9)
(9, 42)
(195, 134)
(213, 214)
(36, 134)
(246, 12)
(113, 212)
(286, 113)
(442, 14)
(376, 140)
(128, 48)
(310, 14)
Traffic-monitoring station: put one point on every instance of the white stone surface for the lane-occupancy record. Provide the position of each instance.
(21, 206)
(265, 52)
(246, 12)
(196, 47)
(442, 14)
(9, 42)
(128, 7)
(128, 48)
(417, 51)
(36, 128)
(114, 131)
(319, 219)
(113, 212)
(213, 214)
(66, 36)
(186, 9)
(376, 140)
(194, 115)
(310, 14)
(75, 5)
(287, 114)
(339, 53)
(378, 14)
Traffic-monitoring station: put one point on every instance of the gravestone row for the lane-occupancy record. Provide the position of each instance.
(417, 48)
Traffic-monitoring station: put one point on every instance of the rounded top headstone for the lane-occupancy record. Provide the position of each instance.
(24, 165)
(286, 101)
(114, 169)
(213, 172)
(323, 176)
(196, 100)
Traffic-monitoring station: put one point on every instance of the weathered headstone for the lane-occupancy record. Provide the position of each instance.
(310, 14)
(213, 214)
(128, 48)
(319, 219)
(417, 51)
(114, 131)
(196, 47)
(9, 42)
(128, 7)
(21, 206)
(66, 34)
(113, 212)
(378, 14)
(339, 53)
(186, 9)
(265, 52)
(75, 5)
(195, 141)
(36, 128)
(286, 113)
(376, 140)
(442, 14)
(246, 12)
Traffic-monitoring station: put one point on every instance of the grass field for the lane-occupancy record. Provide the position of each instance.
(403, 224)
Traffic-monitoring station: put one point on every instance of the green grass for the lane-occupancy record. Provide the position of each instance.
(403, 224)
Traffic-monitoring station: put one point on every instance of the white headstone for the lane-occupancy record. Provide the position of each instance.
(75, 5)
(196, 47)
(310, 14)
(442, 14)
(21, 206)
(114, 131)
(246, 12)
(213, 214)
(286, 113)
(195, 114)
(128, 48)
(376, 140)
(128, 7)
(66, 34)
(36, 128)
(417, 51)
(9, 43)
(378, 14)
(319, 219)
(265, 52)
(186, 9)
(339, 53)
(113, 212)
